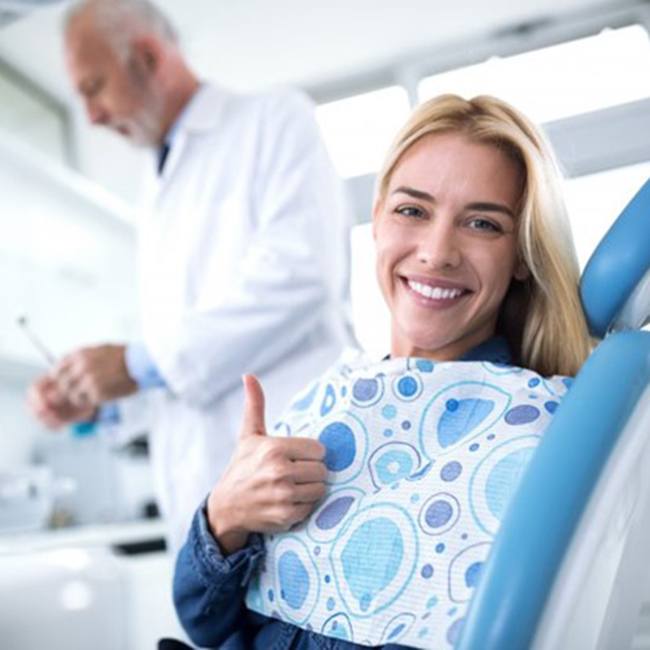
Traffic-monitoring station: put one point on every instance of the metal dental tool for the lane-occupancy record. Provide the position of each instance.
(21, 321)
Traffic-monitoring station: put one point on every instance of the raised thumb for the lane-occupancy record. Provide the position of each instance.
(253, 421)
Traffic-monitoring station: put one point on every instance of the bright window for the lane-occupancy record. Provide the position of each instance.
(359, 129)
(555, 82)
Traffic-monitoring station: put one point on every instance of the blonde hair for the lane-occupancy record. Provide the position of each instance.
(541, 316)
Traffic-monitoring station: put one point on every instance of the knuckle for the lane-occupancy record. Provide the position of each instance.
(317, 447)
(285, 522)
(282, 519)
(282, 469)
(274, 453)
(320, 490)
(268, 447)
(283, 492)
(302, 512)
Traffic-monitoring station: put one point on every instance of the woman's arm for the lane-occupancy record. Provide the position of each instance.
(269, 485)
(210, 586)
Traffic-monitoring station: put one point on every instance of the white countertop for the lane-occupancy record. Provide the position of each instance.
(101, 535)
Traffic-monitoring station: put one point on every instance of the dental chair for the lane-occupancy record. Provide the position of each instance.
(570, 566)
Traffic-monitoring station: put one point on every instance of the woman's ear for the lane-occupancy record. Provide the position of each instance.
(522, 272)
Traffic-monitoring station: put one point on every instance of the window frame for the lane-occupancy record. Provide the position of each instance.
(49, 102)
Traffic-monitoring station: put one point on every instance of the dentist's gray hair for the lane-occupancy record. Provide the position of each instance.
(123, 20)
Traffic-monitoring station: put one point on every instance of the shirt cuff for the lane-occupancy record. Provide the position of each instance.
(108, 413)
(141, 367)
(241, 563)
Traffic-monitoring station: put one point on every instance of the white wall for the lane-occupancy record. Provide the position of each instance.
(67, 263)
(18, 431)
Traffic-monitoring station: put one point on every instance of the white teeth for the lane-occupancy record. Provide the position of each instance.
(436, 293)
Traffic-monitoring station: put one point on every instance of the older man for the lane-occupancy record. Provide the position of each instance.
(242, 254)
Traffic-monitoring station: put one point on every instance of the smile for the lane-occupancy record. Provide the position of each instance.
(435, 294)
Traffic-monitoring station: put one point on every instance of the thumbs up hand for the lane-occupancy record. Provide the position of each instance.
(270, 483)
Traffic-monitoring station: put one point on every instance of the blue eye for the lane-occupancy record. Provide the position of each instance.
(478, 223)
(411, 211)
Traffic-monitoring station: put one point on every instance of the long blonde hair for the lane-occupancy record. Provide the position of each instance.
(541, 317)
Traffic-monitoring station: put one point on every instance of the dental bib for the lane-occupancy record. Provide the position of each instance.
(422, 457)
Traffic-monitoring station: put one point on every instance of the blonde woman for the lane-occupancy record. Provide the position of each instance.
(391, 476)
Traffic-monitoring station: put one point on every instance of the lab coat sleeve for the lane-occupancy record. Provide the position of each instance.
(294, 270)
(209, 589)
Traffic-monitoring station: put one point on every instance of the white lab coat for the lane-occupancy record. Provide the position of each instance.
(243, 260)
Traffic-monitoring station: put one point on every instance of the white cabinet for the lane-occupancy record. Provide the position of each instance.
(72, 590)
(62, 599)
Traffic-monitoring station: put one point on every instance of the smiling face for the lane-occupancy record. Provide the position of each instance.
(446, 239)
(115, 94)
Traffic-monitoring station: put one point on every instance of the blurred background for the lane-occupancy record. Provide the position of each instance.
(81, 547)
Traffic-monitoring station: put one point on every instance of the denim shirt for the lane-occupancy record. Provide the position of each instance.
(209, 589)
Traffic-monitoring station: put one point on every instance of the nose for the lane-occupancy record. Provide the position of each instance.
(440, 246)
(96, 113)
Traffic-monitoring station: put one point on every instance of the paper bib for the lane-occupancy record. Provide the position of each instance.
(422, 460)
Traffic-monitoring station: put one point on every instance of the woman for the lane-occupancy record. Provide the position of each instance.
(476, 264)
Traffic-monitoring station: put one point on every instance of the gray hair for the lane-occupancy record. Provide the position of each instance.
(122, 20)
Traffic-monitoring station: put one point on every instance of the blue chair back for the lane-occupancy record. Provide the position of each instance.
(577, 469)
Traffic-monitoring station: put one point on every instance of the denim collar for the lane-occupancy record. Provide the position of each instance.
(494, 350)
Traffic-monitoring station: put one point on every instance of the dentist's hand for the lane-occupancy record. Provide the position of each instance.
(269, 485)
(90, 376)
(52, 408)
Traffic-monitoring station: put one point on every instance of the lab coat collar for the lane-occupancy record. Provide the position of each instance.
(201, 113)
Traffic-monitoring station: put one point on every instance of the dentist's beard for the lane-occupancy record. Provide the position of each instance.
(145, 127)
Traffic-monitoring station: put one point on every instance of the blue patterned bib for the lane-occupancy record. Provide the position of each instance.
(422, 460)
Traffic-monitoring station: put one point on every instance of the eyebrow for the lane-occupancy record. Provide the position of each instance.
(480, 205)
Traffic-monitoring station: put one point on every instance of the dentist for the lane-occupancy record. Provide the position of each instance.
(242, 250)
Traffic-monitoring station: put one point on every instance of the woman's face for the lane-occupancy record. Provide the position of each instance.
(447, 244)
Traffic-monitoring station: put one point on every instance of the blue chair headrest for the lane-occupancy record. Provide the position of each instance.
(615, 285)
